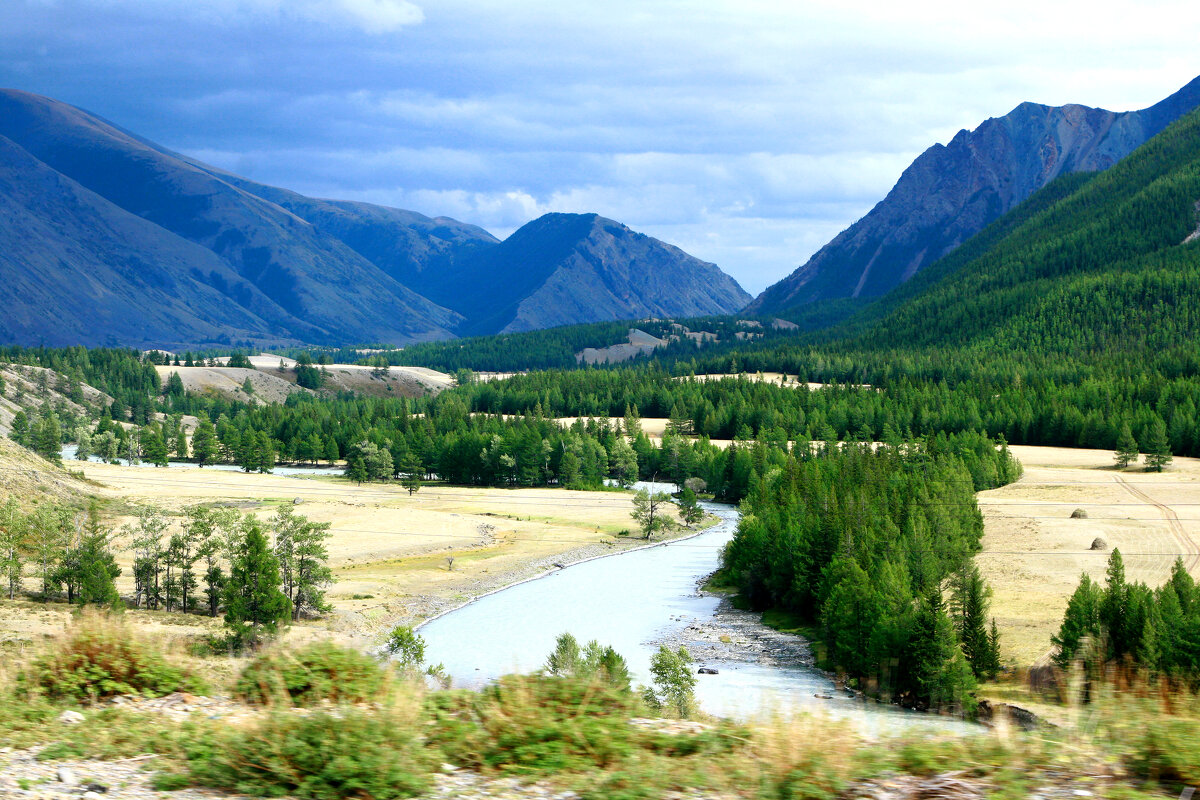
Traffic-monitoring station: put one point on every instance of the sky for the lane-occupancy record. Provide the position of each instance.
(749, 133)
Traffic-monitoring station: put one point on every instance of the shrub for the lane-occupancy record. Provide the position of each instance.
(311, 674)
(534, 723)
(320, 756)
(100, 658)
(406, 647)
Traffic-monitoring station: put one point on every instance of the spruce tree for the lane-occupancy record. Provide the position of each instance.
(154, 448)
(20, 429)
(254, 604)
(1127, 447)
(204, 441)
(1158, 448)
(98, 568)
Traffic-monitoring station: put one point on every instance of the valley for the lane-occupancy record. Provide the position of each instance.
(315, 498)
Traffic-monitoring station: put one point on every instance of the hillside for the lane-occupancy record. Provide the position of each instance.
(953, 191)
(129, 243)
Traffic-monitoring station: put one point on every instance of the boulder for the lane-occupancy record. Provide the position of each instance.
(1079, 513)
(1099, 544)
(69, 717)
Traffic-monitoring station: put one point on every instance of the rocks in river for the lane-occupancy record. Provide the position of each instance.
(707, 671)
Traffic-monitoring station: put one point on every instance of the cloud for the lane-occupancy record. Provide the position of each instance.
(370, 16)
(748, 132)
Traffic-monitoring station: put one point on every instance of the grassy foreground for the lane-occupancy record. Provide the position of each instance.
(325, 722)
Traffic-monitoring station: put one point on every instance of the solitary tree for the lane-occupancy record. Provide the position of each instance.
(689, 509)
(410, 474)
(1127, 447)
(1158, 447)
(254, 604)
(649, 510)
(83, 447)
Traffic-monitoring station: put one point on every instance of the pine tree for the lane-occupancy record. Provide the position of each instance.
(311, 573)
(154, 448)
(47, 438)
(98, 568)
(1080, 623)
(969, 603)
(1158, 448)
(1127, 447)
(20, 429)
(204, 441)
(410, 474)
(1114, 608)
(689, 509)
(254, 604)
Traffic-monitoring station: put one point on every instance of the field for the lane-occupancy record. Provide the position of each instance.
(389, 551)
(1034, 552)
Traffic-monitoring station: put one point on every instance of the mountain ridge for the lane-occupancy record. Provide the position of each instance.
(250, 263)
(951, 192)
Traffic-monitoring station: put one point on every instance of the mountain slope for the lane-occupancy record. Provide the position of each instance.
(115, 239)
(563, 269)
(952, 192)
(78, 269)
(322, 290)
(421, 252)
(1107, 265)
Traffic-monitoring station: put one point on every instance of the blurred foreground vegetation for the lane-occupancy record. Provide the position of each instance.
(322, 722)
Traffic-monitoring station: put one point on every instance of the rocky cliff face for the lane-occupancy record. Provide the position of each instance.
(953, 191)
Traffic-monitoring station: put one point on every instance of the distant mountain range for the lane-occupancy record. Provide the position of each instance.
(951, 192)
(107, 238)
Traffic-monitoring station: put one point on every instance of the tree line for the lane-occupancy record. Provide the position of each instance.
(1158, 630)
(861, 543)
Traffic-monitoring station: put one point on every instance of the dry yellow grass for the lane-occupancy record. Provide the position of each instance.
(389, 550)
(1034, 552)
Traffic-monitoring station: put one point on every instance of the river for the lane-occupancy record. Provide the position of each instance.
(634, 601)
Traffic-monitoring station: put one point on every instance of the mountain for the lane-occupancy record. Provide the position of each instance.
(1104, 265)
(951, 192)
(320, 289)
(562, 269)
(111, 239)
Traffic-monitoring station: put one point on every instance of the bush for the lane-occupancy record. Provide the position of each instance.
(534, 723)
(368, 754)
(316, 672)
(101, 658)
